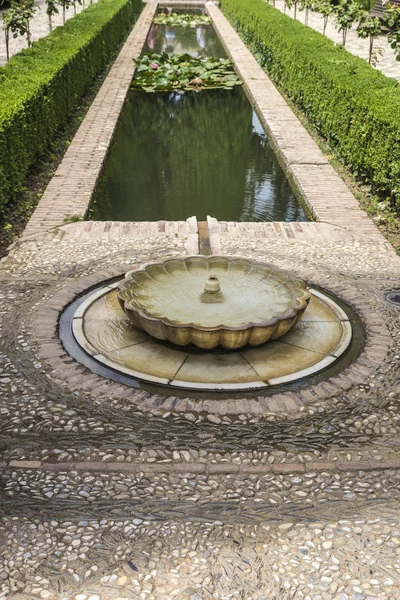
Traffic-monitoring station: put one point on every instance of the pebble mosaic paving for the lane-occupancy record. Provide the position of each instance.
(285, 525)
(113, 493)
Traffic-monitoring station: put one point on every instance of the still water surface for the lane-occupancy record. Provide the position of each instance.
(180, 154)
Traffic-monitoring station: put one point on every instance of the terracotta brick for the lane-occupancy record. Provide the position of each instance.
(255, 469)
(216, 469)
(71, 188)
(288, 468)
(313, 467)
(352, 466)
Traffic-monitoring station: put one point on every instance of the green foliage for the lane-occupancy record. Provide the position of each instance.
(394, 41)
(51, 10)
(13, 20)
(288, 4)
(326, 9)
(355, 107)
(346, 14)
(28, 9)
(16, 20)
(168, 72)
(183, 20)
(306, 5)
(392, 19)
(73, 219)
(369, 27)
(41, 86)
(65, 4)
(392, 15)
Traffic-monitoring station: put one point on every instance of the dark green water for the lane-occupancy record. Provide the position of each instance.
(175, 155)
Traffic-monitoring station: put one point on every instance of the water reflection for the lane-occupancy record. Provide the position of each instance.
(196, 41)
(175, 155)
(181, 154)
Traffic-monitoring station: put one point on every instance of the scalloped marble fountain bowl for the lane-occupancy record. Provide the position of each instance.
(213, 301)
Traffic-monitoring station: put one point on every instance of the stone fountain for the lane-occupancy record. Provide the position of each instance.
(209, 324)
(213, 301)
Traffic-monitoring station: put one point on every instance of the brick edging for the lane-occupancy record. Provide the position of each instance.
(70, 190)
(50, 349)
(203, 468)
(319, 185)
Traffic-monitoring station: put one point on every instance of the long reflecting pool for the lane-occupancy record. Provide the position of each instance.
(180, 154)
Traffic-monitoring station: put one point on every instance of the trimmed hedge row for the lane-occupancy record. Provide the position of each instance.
(41, 86)
(355, 107)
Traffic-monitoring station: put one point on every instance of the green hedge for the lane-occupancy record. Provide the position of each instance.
(40, 87)
(355, 107)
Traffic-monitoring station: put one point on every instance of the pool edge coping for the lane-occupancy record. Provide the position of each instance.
(70, 190)
(319, 186)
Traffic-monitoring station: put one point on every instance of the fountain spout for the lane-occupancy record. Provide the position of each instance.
(212, 285)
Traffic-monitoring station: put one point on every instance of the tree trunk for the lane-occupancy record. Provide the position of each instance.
(371, 45)
(325, 24)
(295, 9)
(74, 8)
(284, 7)
(50, 24)
(306, 17)
(7, 34)
(344, 34)
(28, 34)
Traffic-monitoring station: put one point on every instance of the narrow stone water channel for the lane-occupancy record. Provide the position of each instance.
(178, 154)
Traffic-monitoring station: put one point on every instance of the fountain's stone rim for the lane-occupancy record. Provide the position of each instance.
(142, 358)
(253, 333)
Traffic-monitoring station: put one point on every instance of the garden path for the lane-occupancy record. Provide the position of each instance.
(116, 493)
(103, 497)
(386, 62)
(39, 27)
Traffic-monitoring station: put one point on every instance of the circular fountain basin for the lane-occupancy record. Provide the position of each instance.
(102, 329)
(213, 301)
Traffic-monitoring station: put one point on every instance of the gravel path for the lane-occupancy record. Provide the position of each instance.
(77, 534)
(82, 521)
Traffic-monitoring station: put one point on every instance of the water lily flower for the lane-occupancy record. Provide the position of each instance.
(154, 65)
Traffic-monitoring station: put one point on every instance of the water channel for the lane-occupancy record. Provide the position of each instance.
(178, 154)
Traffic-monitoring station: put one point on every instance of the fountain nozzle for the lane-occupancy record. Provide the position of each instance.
(212, 285)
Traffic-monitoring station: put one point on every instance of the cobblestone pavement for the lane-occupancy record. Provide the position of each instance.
(122, 503)
(106, 498)
(39, 27)
(386, 62)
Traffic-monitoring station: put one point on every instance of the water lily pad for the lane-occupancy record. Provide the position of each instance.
(183, 20)
(166, 72)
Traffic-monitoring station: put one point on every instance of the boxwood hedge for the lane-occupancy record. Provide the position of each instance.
(41, 86)
(355, 107)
